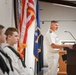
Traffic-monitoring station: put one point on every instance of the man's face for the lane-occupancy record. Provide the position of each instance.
(14, 38)
(2, 36)
(54, 26)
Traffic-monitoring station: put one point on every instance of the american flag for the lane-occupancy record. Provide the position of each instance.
(25, 15)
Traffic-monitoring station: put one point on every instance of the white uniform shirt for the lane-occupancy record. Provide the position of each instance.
(50, 38)
(16, 62)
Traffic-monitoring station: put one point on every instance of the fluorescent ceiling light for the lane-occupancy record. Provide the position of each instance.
(64, 5)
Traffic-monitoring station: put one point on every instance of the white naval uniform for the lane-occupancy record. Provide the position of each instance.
(52, 54)
(16, 62)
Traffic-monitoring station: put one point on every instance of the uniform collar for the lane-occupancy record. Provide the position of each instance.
(51, 31)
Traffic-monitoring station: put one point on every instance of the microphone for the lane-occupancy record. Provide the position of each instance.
(71, 35)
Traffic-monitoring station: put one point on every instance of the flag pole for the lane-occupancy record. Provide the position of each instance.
(24, 54)
(15, 13)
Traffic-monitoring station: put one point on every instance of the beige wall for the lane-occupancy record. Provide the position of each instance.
(6, 13)
(66, 16)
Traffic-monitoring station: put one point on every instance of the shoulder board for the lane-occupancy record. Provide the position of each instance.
(50, 31)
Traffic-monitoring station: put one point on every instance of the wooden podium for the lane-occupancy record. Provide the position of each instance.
(71, 60)
(68, 68)
(62, 64)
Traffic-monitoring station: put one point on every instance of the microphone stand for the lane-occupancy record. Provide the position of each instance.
(71, 35)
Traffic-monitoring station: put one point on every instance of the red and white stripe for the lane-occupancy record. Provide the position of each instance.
(26, 19)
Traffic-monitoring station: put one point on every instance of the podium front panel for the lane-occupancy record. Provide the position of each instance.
(71, 57)
(71, 62)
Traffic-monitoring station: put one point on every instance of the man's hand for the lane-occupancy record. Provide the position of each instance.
(69, 46)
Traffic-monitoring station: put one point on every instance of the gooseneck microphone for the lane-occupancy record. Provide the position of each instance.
(71, 35)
